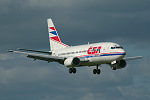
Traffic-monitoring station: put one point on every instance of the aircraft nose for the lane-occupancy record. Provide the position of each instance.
(123, 52)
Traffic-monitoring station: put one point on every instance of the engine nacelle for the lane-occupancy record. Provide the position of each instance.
(72, 62)
(119, 64)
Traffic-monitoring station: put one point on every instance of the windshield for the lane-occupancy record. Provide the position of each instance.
(117, 47)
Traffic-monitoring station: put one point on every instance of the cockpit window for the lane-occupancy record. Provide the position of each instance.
(117, 47)
(112, 47)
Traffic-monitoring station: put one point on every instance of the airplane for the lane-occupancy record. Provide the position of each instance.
(82, 55)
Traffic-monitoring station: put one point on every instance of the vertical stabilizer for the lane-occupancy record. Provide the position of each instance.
(55, 42)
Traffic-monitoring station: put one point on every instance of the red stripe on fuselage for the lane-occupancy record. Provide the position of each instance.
(102, 54)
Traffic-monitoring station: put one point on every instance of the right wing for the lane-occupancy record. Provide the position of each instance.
(44, 57)
(132, 58)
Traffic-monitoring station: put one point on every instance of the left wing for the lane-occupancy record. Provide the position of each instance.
(46, 52)
(44, 57)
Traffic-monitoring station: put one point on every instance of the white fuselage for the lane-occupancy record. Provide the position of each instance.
(97, 53)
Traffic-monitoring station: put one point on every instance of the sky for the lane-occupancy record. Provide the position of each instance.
(23, 25)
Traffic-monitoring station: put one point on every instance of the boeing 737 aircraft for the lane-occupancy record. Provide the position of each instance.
(82, 55)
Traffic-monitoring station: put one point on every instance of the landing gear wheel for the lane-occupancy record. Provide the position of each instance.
(72, 70)
(114, 68)
(94, 71)
(98, 71)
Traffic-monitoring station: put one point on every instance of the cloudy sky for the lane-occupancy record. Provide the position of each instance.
(23, 25)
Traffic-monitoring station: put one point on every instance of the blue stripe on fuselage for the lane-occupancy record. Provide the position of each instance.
(90, 56)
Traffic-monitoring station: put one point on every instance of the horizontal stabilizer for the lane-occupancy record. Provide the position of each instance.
(9, 50)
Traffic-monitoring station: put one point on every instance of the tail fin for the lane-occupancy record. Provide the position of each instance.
(55, 42)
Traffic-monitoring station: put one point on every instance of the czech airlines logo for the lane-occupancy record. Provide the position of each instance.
(94, 50)
(53, 31)
(55, 37)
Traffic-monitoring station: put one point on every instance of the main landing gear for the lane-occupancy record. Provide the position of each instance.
(72, 70)
(96, 71)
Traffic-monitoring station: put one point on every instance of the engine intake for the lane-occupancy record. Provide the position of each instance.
(72, 62)
(119, 64)
(122, 64)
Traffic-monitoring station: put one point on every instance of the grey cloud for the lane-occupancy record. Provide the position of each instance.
(90, 21)
(46, 81)
(6, 56)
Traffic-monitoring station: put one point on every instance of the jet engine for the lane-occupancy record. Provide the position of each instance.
(72, 62)
(119, 64)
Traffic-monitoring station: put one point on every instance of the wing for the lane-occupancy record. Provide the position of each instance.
(44, 57)
(132, 58)
(36, 51)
